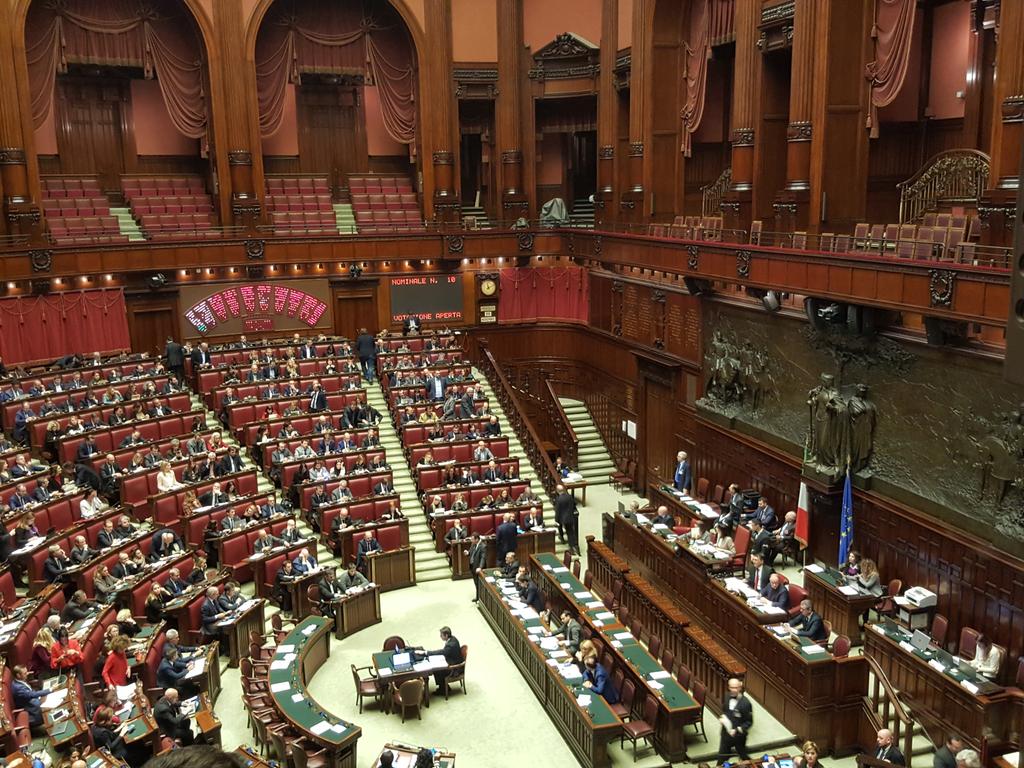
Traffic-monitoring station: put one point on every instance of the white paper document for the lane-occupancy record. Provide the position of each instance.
(320, 728)
(848, 590)
(813, 650)
(660, 674)
(814, 568)
(581, 595)
(279, 664)
(280, 687)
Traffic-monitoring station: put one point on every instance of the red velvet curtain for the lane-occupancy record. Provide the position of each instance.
(893, 32)
(328, 37)
(155, 35)
(58, 324)
(697, 52)
(544, 293)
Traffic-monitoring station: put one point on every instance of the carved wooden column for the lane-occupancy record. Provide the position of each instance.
(19, 176)
(736, 203)
(607, 114)
(440, 112)
(514, 200)
(633, 203)
(999, 203)
(791, 202)
(235, 136)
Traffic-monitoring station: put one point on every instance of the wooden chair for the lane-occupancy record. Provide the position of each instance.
(567, 558)
(394, 642)
(700, 695)
(702, 488)
(313, 598)
(457, 674)
(624, 478)
(635, 730)
(887, 605)
(841, 647)
(617, 591)
(1019, 680)
(654, 646)
(409, 694)
(668, 660)
(303, 756)
(796, 595)
(684, 677)
(624, 615)
(627, 692)
(636, 628)
(588, 579)
(940, 628)
(828, 633)
(366, 687)
(576, 567)
(717, 494)
(968, 647)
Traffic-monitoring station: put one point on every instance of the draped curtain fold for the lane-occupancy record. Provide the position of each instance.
(893, 33)
(58, 324)
(320, 36)
(130, 33)
(544, 293)
(697, 53)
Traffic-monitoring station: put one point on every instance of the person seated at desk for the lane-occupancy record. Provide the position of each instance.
(367, 546)
(215, 496)
(533, 519)
(764, 513)
(270, 508)
(808, 757)
(291, 534)
(304, 562)
(784, 538)
(124, 528)
(81, 552)
(124, 567)
(808, 624)
(758, 573)
(482, 452)
(56, 564)
(155, 603)
(867, 579)
(452, 652)
(264, 541)
(104, 736)
(988, 658)
(104, 584)
(170, 720)
(26, 697)
(759, 536)
(664, 518)
(198, 573)
(232, 597)
(78, 607)
(342, 492)
(351, 578)
(65, 653)
(721, 539)
(595, 677)
(175, 585)
(568, 627)
(166, 480)
(887, 749)
(166, 544)
(510, 566)
(458, 532)
(530, 593)
(775, 592)
(126, 624)
(493, 473)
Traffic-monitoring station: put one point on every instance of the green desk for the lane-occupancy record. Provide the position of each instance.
(587, 729)
(676, 707)
(304, 650)
(843, 611)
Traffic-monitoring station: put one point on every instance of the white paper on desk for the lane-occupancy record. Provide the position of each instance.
(437, 661)
(533, 638)
(297, 697)
(566, 586)
(604, 615)
(547, 567)
(660, 527)
(814, 568)
(655, 684)
(936, 665)
(285, 648)
(971, 687)
(309, 630)
(321, 727)
(623, 636)
(490, 579)
(559, 569)
(528, 613)
(706, 510)
(901, 601)
(384, 671)
(594, 604)
(535, 630)
(423, 666)
(811, 650)
(771, 610)
(558, 654)
(339, 727)
(583, 699)
(660, 674)
(279, 664)
(552, 662)
(581, 595)
(598, 623)
(280, 687)
(54, 698)
(198, 668)
(549, 643)
(642, 519)
(907, 646)
(878, 629)
(125, 692)
(617, 643)
(10, 627)
(848, 590)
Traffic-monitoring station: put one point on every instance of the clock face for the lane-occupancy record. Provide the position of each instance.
(488, 287)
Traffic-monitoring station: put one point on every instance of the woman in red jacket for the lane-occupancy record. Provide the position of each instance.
(65, 653)
(115, 668)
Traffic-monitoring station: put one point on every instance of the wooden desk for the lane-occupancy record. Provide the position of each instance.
(357, 611)
(405, 756)
(238, 627)
(392, 569)
(310, 640)
(298, 587)
(676, 707)
(605, 566)
(383, 665)
(844, 611)
(817, 698)
(587, 730)
(207, 721)
(529, 543)
(258, 563)
(984, 720)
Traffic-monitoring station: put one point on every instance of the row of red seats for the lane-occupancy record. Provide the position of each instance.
(305, 221)
(385, 229)
(298, 185)
(162, 187)
(84, 225)
(76, 206)
(295, 202)
(142, 206)
(380, 202)
(379, 218)
(176, 222)
(55, 187)
(375, 185)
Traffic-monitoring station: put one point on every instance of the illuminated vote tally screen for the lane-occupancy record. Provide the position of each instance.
(435, 297)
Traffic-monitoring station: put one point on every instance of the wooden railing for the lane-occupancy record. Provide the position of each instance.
(608, 417)
(953, 177)
(711, 194)
(515, 413)
(567, 439)
(893, 715)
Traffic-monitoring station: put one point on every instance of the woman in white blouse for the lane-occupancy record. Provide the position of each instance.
(166, 479)
(92, 504)
(988, 658)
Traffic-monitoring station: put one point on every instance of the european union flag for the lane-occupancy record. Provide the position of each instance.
(846, 523)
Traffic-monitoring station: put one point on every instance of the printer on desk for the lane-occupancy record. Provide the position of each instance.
(920, 597)
(915, 607)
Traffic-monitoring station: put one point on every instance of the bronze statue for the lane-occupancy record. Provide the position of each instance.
(863, 415)
(819, 442)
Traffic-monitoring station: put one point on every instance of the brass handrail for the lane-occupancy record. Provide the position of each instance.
(952, 176)
(711, 194)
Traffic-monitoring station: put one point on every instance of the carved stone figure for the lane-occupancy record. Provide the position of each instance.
(863, 415)
(819, 403)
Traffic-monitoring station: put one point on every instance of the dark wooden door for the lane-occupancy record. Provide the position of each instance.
(332, 134)
(354, 310)
(90, 129)
(150, 323)
(584, 164)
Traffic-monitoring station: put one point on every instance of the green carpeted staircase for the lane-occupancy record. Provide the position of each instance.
(127, 224)
(346, 218)
(595, 464)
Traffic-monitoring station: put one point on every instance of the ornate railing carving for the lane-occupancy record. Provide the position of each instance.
(953, 177)
(711, 194)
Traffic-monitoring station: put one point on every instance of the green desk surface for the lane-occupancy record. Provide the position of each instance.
(305, 712)
(137, 728)
(598, 710)
(950, 668)
(569, 584)
(674, 695)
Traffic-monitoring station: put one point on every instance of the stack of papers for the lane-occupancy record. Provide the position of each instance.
(811, 650)
(583, 699)
(814, 568)
(322, 727)
(198, 668)
(848, 590)
(660, 674)
(54, 698)
(309, 630)
(280, 687)
(125, 692)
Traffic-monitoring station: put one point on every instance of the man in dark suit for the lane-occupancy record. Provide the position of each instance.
(452, 652)
(764, 513)
(758, 573)
(808, 624)
(737, 719)
(86, 449)
(568, 518)
(493, 473)
(783, 540)
(175, 585)
(201, 355)
(384, 487)
(170, 720)
(211, 613)
(530, 593)
(367, 546)
(213, 497)
(683, 478)
(759, 537)
(776, 593)
(230, 463)
(26, 697)
(174, 359)
(477, 563)
(317, 398)
(307, 351)
(366, 350)
(411, 324)
(506, 536)
(55, 565)
(946, 756)
(569, 628)
(436, 387)
(887, 750)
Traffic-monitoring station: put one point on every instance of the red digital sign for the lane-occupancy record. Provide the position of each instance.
(256, 305)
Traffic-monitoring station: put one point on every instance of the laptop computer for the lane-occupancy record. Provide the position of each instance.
(920, 640)
(401, 662)
(622, 507)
